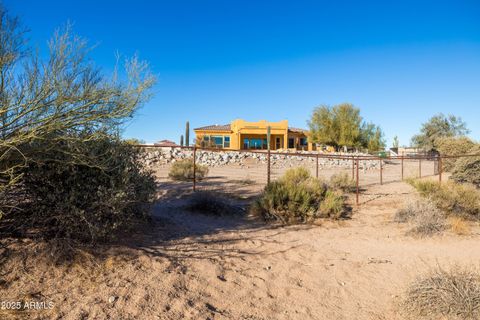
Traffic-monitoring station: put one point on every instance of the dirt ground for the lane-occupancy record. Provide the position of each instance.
(193, 266)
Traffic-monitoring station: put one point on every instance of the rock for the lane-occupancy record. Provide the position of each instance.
(112, 299)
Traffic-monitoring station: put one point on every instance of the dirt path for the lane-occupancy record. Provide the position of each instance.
(200, 267)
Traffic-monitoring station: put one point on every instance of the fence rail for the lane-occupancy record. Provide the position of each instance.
(426, 165)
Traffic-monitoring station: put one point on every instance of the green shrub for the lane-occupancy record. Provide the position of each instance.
(332, 205)
(213, 203)
(182, 170)
(454, 146)
(452, 198)
(342, 181)
(298, 197)
(81, 201)
(467, 169)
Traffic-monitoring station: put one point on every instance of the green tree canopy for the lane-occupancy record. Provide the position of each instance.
(438, 127)
(342, 125)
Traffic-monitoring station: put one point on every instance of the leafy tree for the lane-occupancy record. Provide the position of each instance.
(396, 142)
(438, 127)
(134, 141)
(342, 125)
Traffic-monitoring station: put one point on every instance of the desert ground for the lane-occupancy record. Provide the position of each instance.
(188, 265)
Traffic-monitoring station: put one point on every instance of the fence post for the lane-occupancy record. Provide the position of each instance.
(317, 166)
(268, 154)
(353, 167)
(440, 168)
(381, 172)
(194, 167)
(357, 183)
(419, 167)
(402, 167)
(268, 166)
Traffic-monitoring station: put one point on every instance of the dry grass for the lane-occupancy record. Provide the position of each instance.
(459, 226)
(423, 216)
(444, 294)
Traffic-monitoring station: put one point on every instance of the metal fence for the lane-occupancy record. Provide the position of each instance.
(256, 168)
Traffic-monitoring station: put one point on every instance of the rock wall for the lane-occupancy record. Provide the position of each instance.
(164, 156)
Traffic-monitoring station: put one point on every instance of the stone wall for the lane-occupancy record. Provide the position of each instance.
(164, 156)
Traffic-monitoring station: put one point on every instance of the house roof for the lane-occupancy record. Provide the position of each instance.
(166, 143)
(216, 127)
(227, 127)
(291, 129)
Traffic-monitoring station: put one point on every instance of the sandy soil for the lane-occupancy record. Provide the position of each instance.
(202, 267)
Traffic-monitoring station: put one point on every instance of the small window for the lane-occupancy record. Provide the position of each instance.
(303, 142)
(226, 142)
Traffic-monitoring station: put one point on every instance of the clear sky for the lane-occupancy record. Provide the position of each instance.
(399, 61)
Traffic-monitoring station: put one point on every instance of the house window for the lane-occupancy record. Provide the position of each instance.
(277, 143)
(303, 142)
(226, 142)
(217, 141)
(254, 143)
(291, 143)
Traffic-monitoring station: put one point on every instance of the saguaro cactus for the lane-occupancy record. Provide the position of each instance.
(187, 134)
(181, 140)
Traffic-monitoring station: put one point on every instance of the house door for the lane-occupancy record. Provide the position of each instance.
(278, 144)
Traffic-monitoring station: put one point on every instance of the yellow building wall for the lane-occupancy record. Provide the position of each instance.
(241, 129)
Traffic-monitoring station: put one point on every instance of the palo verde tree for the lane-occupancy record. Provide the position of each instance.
(63, 114)
(437, 128)
(342, 125)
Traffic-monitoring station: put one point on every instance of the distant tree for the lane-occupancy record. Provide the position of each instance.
(438, 127)
(396, 142)
(342, 125)
(134, 141)
(181, 140)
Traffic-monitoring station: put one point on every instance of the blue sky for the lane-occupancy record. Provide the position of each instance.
(400, 62)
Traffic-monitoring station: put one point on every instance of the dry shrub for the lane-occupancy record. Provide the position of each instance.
(424, 217)
(213, 203)
(467, 169)
(342, 181)
(454, 146)
(459, 226)
(444, 294)
(182, 170)
(298, 197)
(454, 199)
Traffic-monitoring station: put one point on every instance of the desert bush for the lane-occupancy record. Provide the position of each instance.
(342, 181)
(332, 206)
(467, 169)
(444, 294)
(213, 203)
(459, 226)
(424, 217)
(298, 197)
(182, 170)
(454, 199)
(453, 146)
(84, 202)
